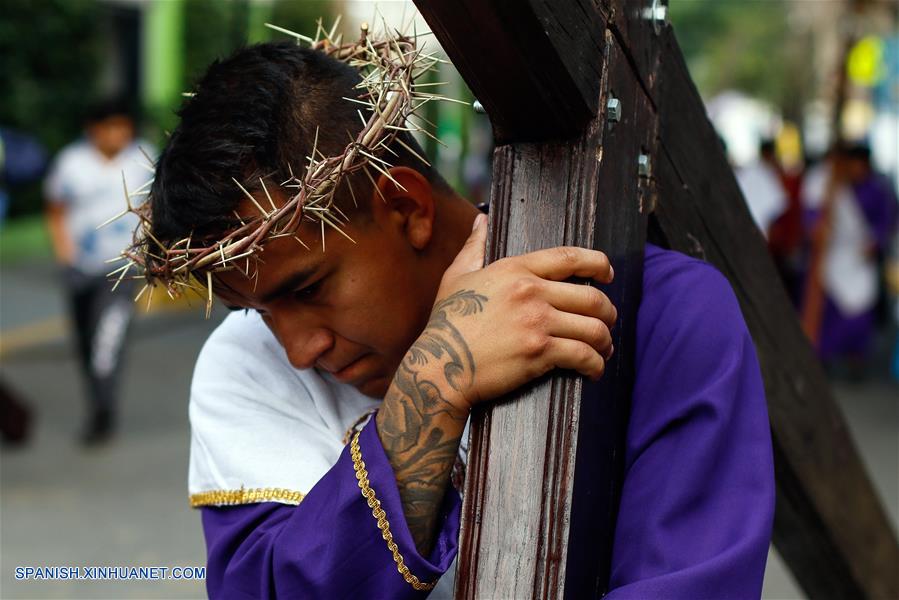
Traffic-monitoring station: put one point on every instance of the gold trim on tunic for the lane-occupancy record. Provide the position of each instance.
(245, 496)
(383, 524)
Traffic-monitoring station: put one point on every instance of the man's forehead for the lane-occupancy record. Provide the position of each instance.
(282, 265)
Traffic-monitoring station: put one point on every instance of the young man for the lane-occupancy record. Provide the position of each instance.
(407, 321)
(84, 189)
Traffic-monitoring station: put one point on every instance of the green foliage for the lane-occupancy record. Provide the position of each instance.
(53, 51)
(210, 31)
(50, 55)
(49, 60)
(24, 238)
(301, 16)
(214, 28)
(745, 45)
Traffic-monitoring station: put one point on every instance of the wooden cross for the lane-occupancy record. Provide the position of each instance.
(602, 140)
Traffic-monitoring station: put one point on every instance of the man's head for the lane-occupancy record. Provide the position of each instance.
(858, 163)
(768, 151)
(360, 305)
(109, 126)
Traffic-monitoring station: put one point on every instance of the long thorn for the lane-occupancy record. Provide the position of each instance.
(334, 28)
(141, 292)
(373, 183)
(250, 196)
(267, 195)
(113, 218)
(209, 293)
(325, 219)
(294, 34)
(411, 151)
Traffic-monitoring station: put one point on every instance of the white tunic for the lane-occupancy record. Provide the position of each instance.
(263, 431)
(850, 275)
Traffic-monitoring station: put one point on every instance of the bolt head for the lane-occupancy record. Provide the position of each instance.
(644, 166)
(614, 109)
(657, 14)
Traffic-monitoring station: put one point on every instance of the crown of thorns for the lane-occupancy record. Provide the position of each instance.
(390, 64)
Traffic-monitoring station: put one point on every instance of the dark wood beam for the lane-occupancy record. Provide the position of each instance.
(531, 460)
(534, 66)
(623, 200)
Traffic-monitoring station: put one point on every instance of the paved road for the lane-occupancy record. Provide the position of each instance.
(125, 504)
(120, 505)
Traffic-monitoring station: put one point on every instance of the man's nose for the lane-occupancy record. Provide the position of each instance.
(304, 340)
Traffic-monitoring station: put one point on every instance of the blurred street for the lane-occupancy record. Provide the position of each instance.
(62, 505)
(124, 504)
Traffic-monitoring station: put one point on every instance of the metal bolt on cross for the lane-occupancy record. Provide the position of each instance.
(644, 166)
(614, 109)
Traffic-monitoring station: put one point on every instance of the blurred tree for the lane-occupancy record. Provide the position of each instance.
(49, 61)
(748, 46)
(214, 28)
(302, 16)
(50, 54)
(208, 32)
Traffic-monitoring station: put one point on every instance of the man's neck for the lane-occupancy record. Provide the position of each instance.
(457, 218)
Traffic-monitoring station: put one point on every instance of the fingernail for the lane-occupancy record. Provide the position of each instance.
(611, 272)
(477, 222)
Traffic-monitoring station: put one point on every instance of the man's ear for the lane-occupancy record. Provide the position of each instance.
(407, 200)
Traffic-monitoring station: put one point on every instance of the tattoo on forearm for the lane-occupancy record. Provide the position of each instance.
(419, 428)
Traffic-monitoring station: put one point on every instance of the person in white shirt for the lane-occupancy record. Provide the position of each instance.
(83, 190)
(762, 188)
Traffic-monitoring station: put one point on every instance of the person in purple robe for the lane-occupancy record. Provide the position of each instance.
(862, 223)
(328, 416)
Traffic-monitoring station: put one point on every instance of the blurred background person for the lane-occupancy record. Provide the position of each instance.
(785, 233)
(850, 216)
(22, 160)
(878, 202)
(760, 182)
(83, 190)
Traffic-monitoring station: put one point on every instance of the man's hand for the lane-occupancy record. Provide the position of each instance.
(518, 319)
(491, 330)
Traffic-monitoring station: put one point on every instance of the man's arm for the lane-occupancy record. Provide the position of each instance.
(56, 197)
(491, 330)
(418, 426)
(63, 247)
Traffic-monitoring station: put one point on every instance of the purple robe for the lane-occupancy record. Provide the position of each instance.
(852, 335)
(697, 504)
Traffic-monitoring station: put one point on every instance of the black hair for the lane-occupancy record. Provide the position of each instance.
(106, 108)
(860, 152)
(255, 114)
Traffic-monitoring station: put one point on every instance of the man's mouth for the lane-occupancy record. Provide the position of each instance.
(352, 372)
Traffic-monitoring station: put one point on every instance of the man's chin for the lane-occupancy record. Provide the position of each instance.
(376, 387)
